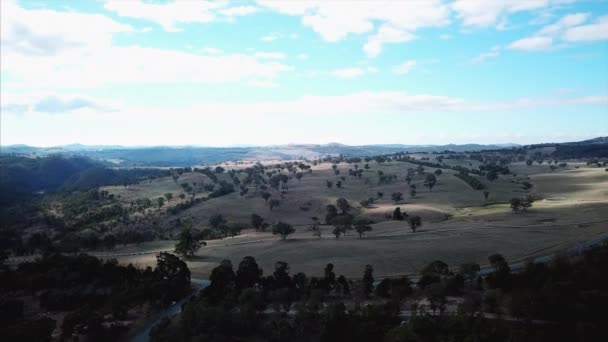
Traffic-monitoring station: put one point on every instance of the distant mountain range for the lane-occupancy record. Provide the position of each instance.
(196, 155)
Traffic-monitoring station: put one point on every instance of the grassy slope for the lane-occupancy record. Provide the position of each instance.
(474, 231)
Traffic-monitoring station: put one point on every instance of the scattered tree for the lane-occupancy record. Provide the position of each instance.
(397, 197)
(430, 181)
(415, 222)
(188, 243)
(283, 229)
(362, 226)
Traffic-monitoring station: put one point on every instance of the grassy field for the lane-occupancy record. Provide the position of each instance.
(459, 225)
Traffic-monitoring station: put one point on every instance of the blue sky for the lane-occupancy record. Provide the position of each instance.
(272, 72)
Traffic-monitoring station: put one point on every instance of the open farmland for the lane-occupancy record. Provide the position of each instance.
(459, 225)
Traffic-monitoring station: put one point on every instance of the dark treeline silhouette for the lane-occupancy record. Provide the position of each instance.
(96, 296)
(560, 301)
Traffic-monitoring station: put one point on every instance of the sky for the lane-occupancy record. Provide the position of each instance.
(224, 73)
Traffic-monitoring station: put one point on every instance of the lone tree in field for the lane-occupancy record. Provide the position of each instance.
(430, 181)
(361, 227)
(529, 162)
(283, 229)
(515, 204)
(188, 243)
(438, 172)
(299, 175)
(413, 193)
(266, 196)
(168, 196)
(486, 194)
(397, 197)
(380, 194)
(415, 222)
(329, 184)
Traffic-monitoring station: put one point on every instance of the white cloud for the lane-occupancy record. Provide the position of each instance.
(52, 103)
(46, 33)
(302, 56)
(348, 72)
(494, 52)
(116, 127)
(532, 44)
(271, 37)
(80, 54)
(269, 55)
(564, 23)
(167, 15)
(482, 13)
(239, 11)
(386, 34)
(135, 65)
(263, 84)
(404, 67)
(568, 29)
(587, 33)
(211, 50)
(445, 37)
(333, 20)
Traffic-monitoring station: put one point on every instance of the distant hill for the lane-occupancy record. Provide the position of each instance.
(171, 156)
(191, 155)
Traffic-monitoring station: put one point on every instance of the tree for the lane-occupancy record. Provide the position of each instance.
(258, 222)
(486, 194)
(329, 277)
(216, 220)
(412, 193)
(274, 203)
(526, 202)
(283, 229)
(397, 215)
(397, 197)
(515, 204)
(331, 213)
(438, 172)
(380, 194)
(329, 184)
(175, 272)
(266, 196)
(182, 196)
(110, 241)
(219, 169)
(299, 176)
(529, 162)
(343, 205)
(168, 196)
(160, 201)
(492, 175)
(415, 222)
(361, 227)
(339, 184)
(248, 273)
(368, 280)
(188, 243)
(430, 181)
